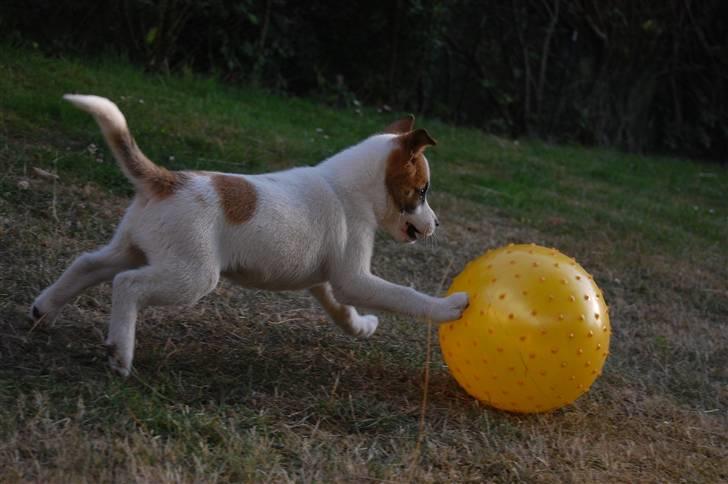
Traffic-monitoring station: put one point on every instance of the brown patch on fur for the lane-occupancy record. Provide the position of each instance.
(237, 196)
(159, 182)
(402, 126)
(407, 170)
(406, 175)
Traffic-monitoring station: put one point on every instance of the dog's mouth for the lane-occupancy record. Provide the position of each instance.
(412, 232)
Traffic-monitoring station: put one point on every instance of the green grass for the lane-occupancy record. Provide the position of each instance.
(596, 190)
(255, 386)
(205, 125)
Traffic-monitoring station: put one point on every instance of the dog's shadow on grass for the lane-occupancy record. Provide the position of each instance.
(309, 371)
(304, 360)
(285, 368)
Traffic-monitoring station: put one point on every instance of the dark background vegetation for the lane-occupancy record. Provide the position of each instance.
(640, 76)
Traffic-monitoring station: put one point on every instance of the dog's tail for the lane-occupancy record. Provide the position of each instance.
(146, 176)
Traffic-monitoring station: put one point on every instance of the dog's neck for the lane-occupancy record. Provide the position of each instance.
(357, 176)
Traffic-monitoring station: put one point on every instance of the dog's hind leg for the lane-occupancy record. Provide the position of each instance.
(87, 270)
(346, 317)
(154, 285)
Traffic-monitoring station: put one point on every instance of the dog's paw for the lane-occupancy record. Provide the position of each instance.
(364, 325)
(451, 308)
(119, 363)
(39, 314)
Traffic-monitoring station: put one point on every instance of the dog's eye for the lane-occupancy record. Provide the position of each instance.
(422, 191)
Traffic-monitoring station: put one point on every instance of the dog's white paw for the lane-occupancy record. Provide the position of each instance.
(451, 308)
(42, 313)
(119, 361)
(364, 325)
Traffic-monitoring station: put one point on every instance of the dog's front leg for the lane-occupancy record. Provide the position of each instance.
(346, 317)
(367, 290)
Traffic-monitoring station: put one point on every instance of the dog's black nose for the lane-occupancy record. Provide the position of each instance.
(437, 223)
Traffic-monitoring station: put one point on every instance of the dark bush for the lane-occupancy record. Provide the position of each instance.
(641, 76)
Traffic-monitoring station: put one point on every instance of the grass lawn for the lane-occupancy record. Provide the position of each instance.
(258, 386)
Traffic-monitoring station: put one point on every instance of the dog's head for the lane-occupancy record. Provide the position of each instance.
(407, 180)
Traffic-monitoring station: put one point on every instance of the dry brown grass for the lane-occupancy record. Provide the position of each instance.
(256, 386)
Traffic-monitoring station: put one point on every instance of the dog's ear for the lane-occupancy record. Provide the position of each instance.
(417, 140)
(402, 126)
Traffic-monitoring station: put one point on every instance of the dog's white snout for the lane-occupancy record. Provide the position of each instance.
(429, 229)
(430, 220)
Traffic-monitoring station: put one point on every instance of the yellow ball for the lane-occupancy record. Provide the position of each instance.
(536, 333)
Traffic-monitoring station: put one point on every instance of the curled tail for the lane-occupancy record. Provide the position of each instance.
(147, 177)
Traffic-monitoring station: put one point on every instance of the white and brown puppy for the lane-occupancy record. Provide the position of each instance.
(305, 228)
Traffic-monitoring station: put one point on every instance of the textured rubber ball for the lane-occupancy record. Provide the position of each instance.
(536, 334)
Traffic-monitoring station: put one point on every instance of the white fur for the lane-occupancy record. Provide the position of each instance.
(313, 228)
